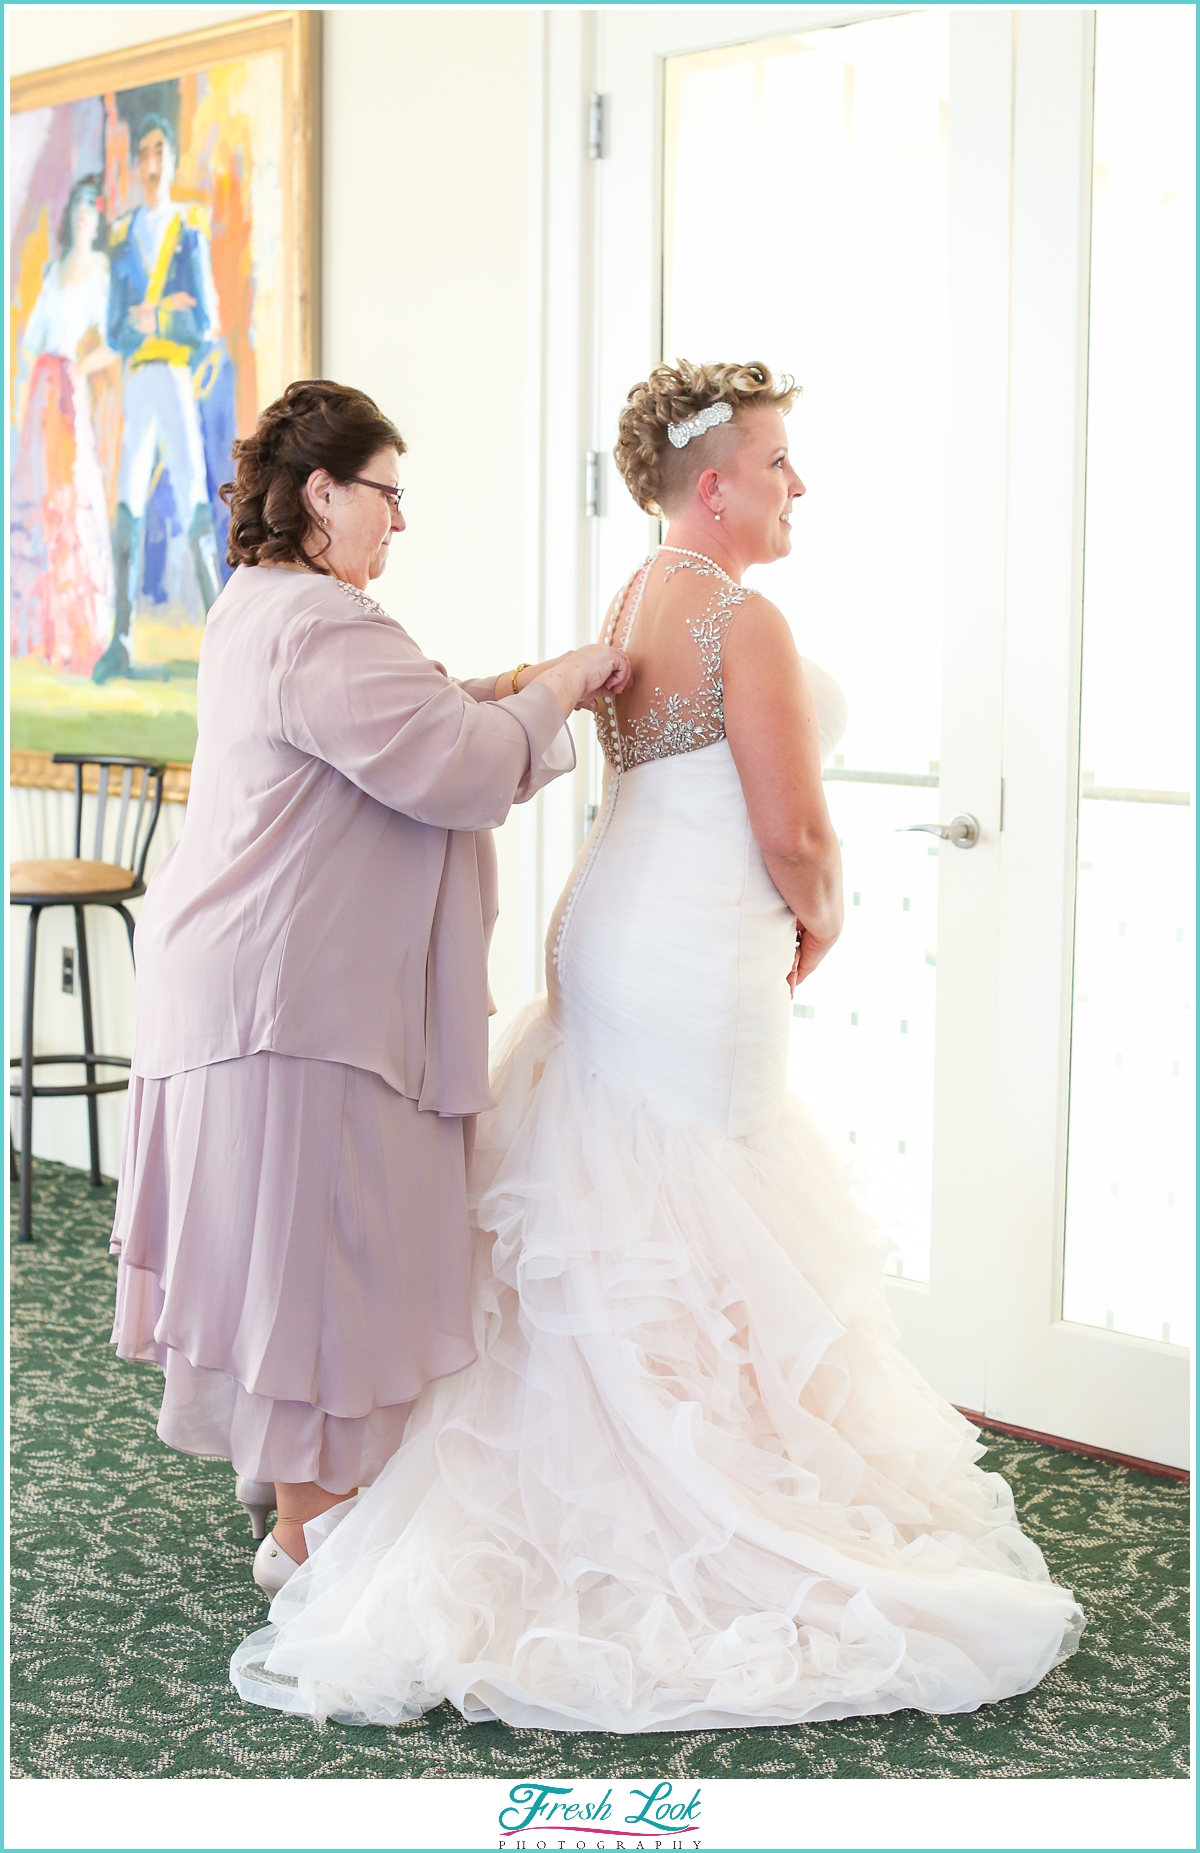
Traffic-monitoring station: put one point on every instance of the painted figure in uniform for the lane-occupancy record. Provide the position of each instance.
(162, 309)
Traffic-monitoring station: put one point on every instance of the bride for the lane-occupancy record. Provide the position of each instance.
(687, 1482)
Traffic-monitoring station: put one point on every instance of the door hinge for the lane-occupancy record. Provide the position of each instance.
(597, 126)
(592, 483)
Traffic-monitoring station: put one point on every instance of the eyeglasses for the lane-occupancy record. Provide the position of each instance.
(388, 491)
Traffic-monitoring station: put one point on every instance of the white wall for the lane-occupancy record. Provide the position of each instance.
(433, 243)
(426, 303)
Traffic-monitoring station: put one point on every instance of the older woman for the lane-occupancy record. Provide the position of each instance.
(311, 1044)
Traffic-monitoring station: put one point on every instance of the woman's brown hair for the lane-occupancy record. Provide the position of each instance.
(316, 425)
(657, 474)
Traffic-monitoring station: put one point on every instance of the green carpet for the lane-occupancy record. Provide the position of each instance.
(131, 1586)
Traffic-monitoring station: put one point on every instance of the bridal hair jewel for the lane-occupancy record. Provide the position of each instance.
(718, 414)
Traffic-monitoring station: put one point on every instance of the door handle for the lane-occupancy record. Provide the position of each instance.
(962, 831)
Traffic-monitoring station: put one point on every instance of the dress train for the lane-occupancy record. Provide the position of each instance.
(688, 1483)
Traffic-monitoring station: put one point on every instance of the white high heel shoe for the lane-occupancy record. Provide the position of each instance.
(272, 1566)
(258, 1497)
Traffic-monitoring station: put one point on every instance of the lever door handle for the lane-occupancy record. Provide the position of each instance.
(962, 831)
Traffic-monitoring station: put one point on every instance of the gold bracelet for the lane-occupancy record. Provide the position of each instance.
(516, 673)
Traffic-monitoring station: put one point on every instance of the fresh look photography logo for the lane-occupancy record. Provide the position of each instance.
(559, 1815)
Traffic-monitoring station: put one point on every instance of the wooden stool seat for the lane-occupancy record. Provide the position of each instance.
(111, 877)
(66, 879)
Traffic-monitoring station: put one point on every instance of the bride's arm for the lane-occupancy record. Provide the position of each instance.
(771, 725)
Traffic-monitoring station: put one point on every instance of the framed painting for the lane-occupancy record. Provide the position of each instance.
(164, 225)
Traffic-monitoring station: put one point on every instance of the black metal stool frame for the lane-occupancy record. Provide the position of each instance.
(153, 772)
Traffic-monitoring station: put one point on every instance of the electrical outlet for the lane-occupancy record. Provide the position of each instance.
(68, 975)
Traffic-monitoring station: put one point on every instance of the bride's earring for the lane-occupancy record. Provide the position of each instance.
(716, 517)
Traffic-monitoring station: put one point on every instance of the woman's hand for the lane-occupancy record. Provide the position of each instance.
(577, 679)
(810, 950)
(605, 672)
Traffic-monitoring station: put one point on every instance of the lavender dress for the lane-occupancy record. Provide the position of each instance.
(311, 1042)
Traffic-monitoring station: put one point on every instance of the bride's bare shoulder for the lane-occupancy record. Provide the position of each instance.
(759, 639)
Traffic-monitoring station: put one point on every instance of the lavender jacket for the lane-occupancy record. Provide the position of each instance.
(334, 890)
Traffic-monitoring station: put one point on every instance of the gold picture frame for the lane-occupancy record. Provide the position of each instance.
(286, 43)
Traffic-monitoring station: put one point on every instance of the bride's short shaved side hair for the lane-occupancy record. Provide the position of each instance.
(655, 472)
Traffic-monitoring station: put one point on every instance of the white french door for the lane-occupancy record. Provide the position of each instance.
(895, 206)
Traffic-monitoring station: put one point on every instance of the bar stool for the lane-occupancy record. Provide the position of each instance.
(78, 884)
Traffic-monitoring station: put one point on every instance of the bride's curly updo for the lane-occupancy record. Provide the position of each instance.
(316, 425)
(655, 472)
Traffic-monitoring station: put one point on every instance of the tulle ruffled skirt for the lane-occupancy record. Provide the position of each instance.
(688, 1481)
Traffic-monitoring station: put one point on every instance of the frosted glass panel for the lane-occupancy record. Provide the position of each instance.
(826, 152)
(1130, 1170)
(862, 1032)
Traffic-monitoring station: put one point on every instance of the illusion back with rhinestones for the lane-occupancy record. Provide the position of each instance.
(672, 617)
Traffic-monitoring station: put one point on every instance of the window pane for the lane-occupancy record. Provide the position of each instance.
(827, 150)
(1130, 1170)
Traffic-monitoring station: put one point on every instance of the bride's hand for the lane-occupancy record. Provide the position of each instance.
(793, 977)
(809, 952)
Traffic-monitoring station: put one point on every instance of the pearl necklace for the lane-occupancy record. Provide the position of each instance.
(690, 554)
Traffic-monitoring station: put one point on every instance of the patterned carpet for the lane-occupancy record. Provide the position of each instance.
(131, 1587)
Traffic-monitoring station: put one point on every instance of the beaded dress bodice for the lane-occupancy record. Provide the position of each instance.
(674, 722)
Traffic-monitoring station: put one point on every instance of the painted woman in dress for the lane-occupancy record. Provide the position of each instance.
(62, 575)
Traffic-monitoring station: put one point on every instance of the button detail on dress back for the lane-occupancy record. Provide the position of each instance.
(676, 722)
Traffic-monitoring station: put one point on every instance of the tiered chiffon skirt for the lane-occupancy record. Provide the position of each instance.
(294, 1253)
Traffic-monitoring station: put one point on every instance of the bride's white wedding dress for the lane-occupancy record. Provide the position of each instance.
(688, 1482)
